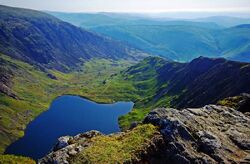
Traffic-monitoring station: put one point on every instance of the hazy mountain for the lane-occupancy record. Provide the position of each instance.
(42, 39)
(234, 42)
(92, 20)
(225, 21)
(180, 40)
(177, 42)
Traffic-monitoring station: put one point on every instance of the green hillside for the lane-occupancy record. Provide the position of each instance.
(161, 83)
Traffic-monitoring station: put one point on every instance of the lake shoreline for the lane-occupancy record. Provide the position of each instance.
(66, 116)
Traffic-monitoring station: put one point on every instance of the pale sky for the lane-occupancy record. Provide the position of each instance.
(132, 5)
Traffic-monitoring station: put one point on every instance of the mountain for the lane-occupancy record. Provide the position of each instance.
(42, 39)
(179, 40)
(211, 134)
(92, 20)
(234, 42)
(184, 42)
(88, 19)
(42, 57)
(194, 84)
(226, 21)
(157, 82)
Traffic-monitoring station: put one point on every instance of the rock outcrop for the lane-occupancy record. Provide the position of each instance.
(212, 134)
(6, 83)
(68, 146)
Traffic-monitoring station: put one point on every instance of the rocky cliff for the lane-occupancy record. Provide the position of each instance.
(211, 134)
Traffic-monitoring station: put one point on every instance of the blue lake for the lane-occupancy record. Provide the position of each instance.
(67, 115)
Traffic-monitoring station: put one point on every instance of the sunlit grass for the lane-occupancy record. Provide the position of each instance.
(118, 148)
(11, 159)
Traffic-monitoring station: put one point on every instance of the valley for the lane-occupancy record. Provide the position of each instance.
(170, 69)
(34, 91)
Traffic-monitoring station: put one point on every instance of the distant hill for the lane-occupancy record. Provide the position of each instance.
(184, 42)
(92, 20)
(180, 40)
(234, 42)
(225, 21)
(41, 39)
(177, 42)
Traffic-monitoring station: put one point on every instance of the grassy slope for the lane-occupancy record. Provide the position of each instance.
(159, 83)
(36, 91)
(139, 88)
(11, 159)
(117, 148)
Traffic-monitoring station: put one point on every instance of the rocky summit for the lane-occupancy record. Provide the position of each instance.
(211, 134)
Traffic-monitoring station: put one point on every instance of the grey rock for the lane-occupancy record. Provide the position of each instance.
(61, 143)
(208, 142)
(67, 147)
(212, 134)
(133, 125)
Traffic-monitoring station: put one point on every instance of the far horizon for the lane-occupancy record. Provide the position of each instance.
(170, 15)
(134, 6)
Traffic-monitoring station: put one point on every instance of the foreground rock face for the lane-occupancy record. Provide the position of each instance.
(212, 134)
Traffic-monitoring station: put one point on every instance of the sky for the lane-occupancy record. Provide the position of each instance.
(133, 5)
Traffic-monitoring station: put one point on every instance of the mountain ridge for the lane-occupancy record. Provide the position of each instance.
(42, 39)
(181, 85)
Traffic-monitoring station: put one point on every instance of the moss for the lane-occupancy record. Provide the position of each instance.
(136, 115)
(232, 102)
(11, 159)
(117, 148)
